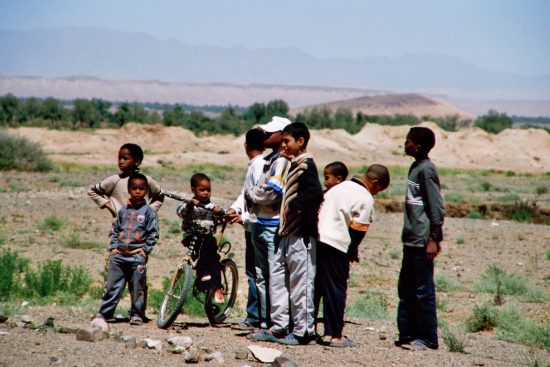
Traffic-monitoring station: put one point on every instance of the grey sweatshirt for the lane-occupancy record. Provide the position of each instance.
(424, 207)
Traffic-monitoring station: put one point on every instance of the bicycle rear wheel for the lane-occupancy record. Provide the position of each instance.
(218, 312)
(175, 296)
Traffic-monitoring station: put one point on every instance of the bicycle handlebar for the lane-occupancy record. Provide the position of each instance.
(177, 197)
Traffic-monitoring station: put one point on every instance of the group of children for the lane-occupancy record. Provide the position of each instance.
(300, 240)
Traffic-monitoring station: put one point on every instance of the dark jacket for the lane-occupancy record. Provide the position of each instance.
(303, 196)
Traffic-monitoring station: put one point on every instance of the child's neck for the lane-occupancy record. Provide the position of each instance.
(421, 157)
(136, 201)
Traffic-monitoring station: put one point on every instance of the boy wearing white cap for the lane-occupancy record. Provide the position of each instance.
(264, 203)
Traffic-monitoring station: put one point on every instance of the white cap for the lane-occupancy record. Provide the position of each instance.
(276, 124)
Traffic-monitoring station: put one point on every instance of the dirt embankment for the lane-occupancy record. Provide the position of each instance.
(520, 151)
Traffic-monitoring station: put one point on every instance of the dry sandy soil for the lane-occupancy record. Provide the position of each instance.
(471, 246)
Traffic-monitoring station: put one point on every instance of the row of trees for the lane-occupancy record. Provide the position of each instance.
(83, 113)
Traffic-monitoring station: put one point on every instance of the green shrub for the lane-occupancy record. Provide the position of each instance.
(53, 279)
(394, 255)
(508, 197)
(522, 215)
(371, 305)
(548, 255)
(72, 240)
(484, 317)
(70, 183)
(445, 284)
(21, 154)
(460, 240)
(474, 215)
(452, 340)
(454, 197)
(171, 227)
(485, 186)
(12, 268)
(52, 223)
(495, 280)
(513, 327)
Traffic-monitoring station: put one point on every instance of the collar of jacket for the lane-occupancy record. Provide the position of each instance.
(136, 205)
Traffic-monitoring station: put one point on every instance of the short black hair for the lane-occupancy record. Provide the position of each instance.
(380, 173)
(135, 151)
(298, 130)
(338, 169)
(254, 139)
(198, 177)
(137, 176)
(424, 137)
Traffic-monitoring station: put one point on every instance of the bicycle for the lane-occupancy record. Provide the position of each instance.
(177, 292)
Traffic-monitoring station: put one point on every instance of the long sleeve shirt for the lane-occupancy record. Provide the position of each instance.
(253, 173)
(424, 208)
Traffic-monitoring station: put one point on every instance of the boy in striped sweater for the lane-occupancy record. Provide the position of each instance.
(295, 257)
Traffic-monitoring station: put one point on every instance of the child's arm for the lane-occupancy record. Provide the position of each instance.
(309, 193)
(100, 192)
(117, 225)
(436, 211)
(156, 197)
(152, 231)
(272, 191)
(356, 239)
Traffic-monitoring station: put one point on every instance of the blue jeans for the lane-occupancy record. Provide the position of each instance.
(264, 239)
(416, 312)
(252, 314)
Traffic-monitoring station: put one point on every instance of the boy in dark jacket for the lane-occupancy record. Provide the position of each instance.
(135, 233)
(293, 269)
(422, 236)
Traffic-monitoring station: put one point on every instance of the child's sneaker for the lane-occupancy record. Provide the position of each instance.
(136, 320)
(218, 296)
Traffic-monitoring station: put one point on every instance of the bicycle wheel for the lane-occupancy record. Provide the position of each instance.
(175, 296)
(218, 312)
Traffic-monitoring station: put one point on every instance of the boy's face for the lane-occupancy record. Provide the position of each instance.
(137, 190)
(125, 161)
(330, 179)
(411, 148)
(273, 140)
(292, 147)
(202, 190)
(375, 187)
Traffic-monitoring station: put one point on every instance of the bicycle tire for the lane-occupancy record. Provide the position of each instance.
(175, 296)
(218, 313)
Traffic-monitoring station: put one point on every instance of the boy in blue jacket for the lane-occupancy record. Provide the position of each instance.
(135, 233)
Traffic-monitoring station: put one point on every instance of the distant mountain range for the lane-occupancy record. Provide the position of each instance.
(118, 55)
(115, 65)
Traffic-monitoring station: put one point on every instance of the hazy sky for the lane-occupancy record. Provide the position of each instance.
(503, 35)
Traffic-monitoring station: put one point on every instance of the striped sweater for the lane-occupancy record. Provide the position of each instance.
(303, 195)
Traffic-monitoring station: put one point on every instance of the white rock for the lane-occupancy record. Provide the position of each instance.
(100, 323)
(180, 341)
(265, 355)
(153, 343)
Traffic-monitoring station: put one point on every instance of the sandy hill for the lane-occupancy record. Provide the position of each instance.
(393, 104)
(526, 150)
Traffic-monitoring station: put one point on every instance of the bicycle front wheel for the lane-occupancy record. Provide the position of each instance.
(175, 296)
(218, 312)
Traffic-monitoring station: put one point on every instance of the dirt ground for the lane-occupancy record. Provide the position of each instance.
(471, 246)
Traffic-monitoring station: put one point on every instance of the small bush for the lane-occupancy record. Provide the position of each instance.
(11, 269)
(21, 154)
(460, 240)
(371, 305)
(513, 327)
(485, 186)
(548, 255)
(474, 215)
(495, 280)
(52, 223)
(454, 197)
(452, 340)
(70, 183)
(171, 227)
(394, 255)
(484, 317)
(507, 198)
(53, 279)
(72, 240)
(522, 215)
(445, 284)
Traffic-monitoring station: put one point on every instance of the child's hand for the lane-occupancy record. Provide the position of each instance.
(432, 249)
(109, 207)
(195, 202)
(233, 216)
(217, 210)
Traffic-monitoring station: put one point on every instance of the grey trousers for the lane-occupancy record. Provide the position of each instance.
(291, 281)
(122, 270)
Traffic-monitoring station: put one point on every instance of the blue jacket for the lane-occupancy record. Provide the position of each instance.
(136, 227)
